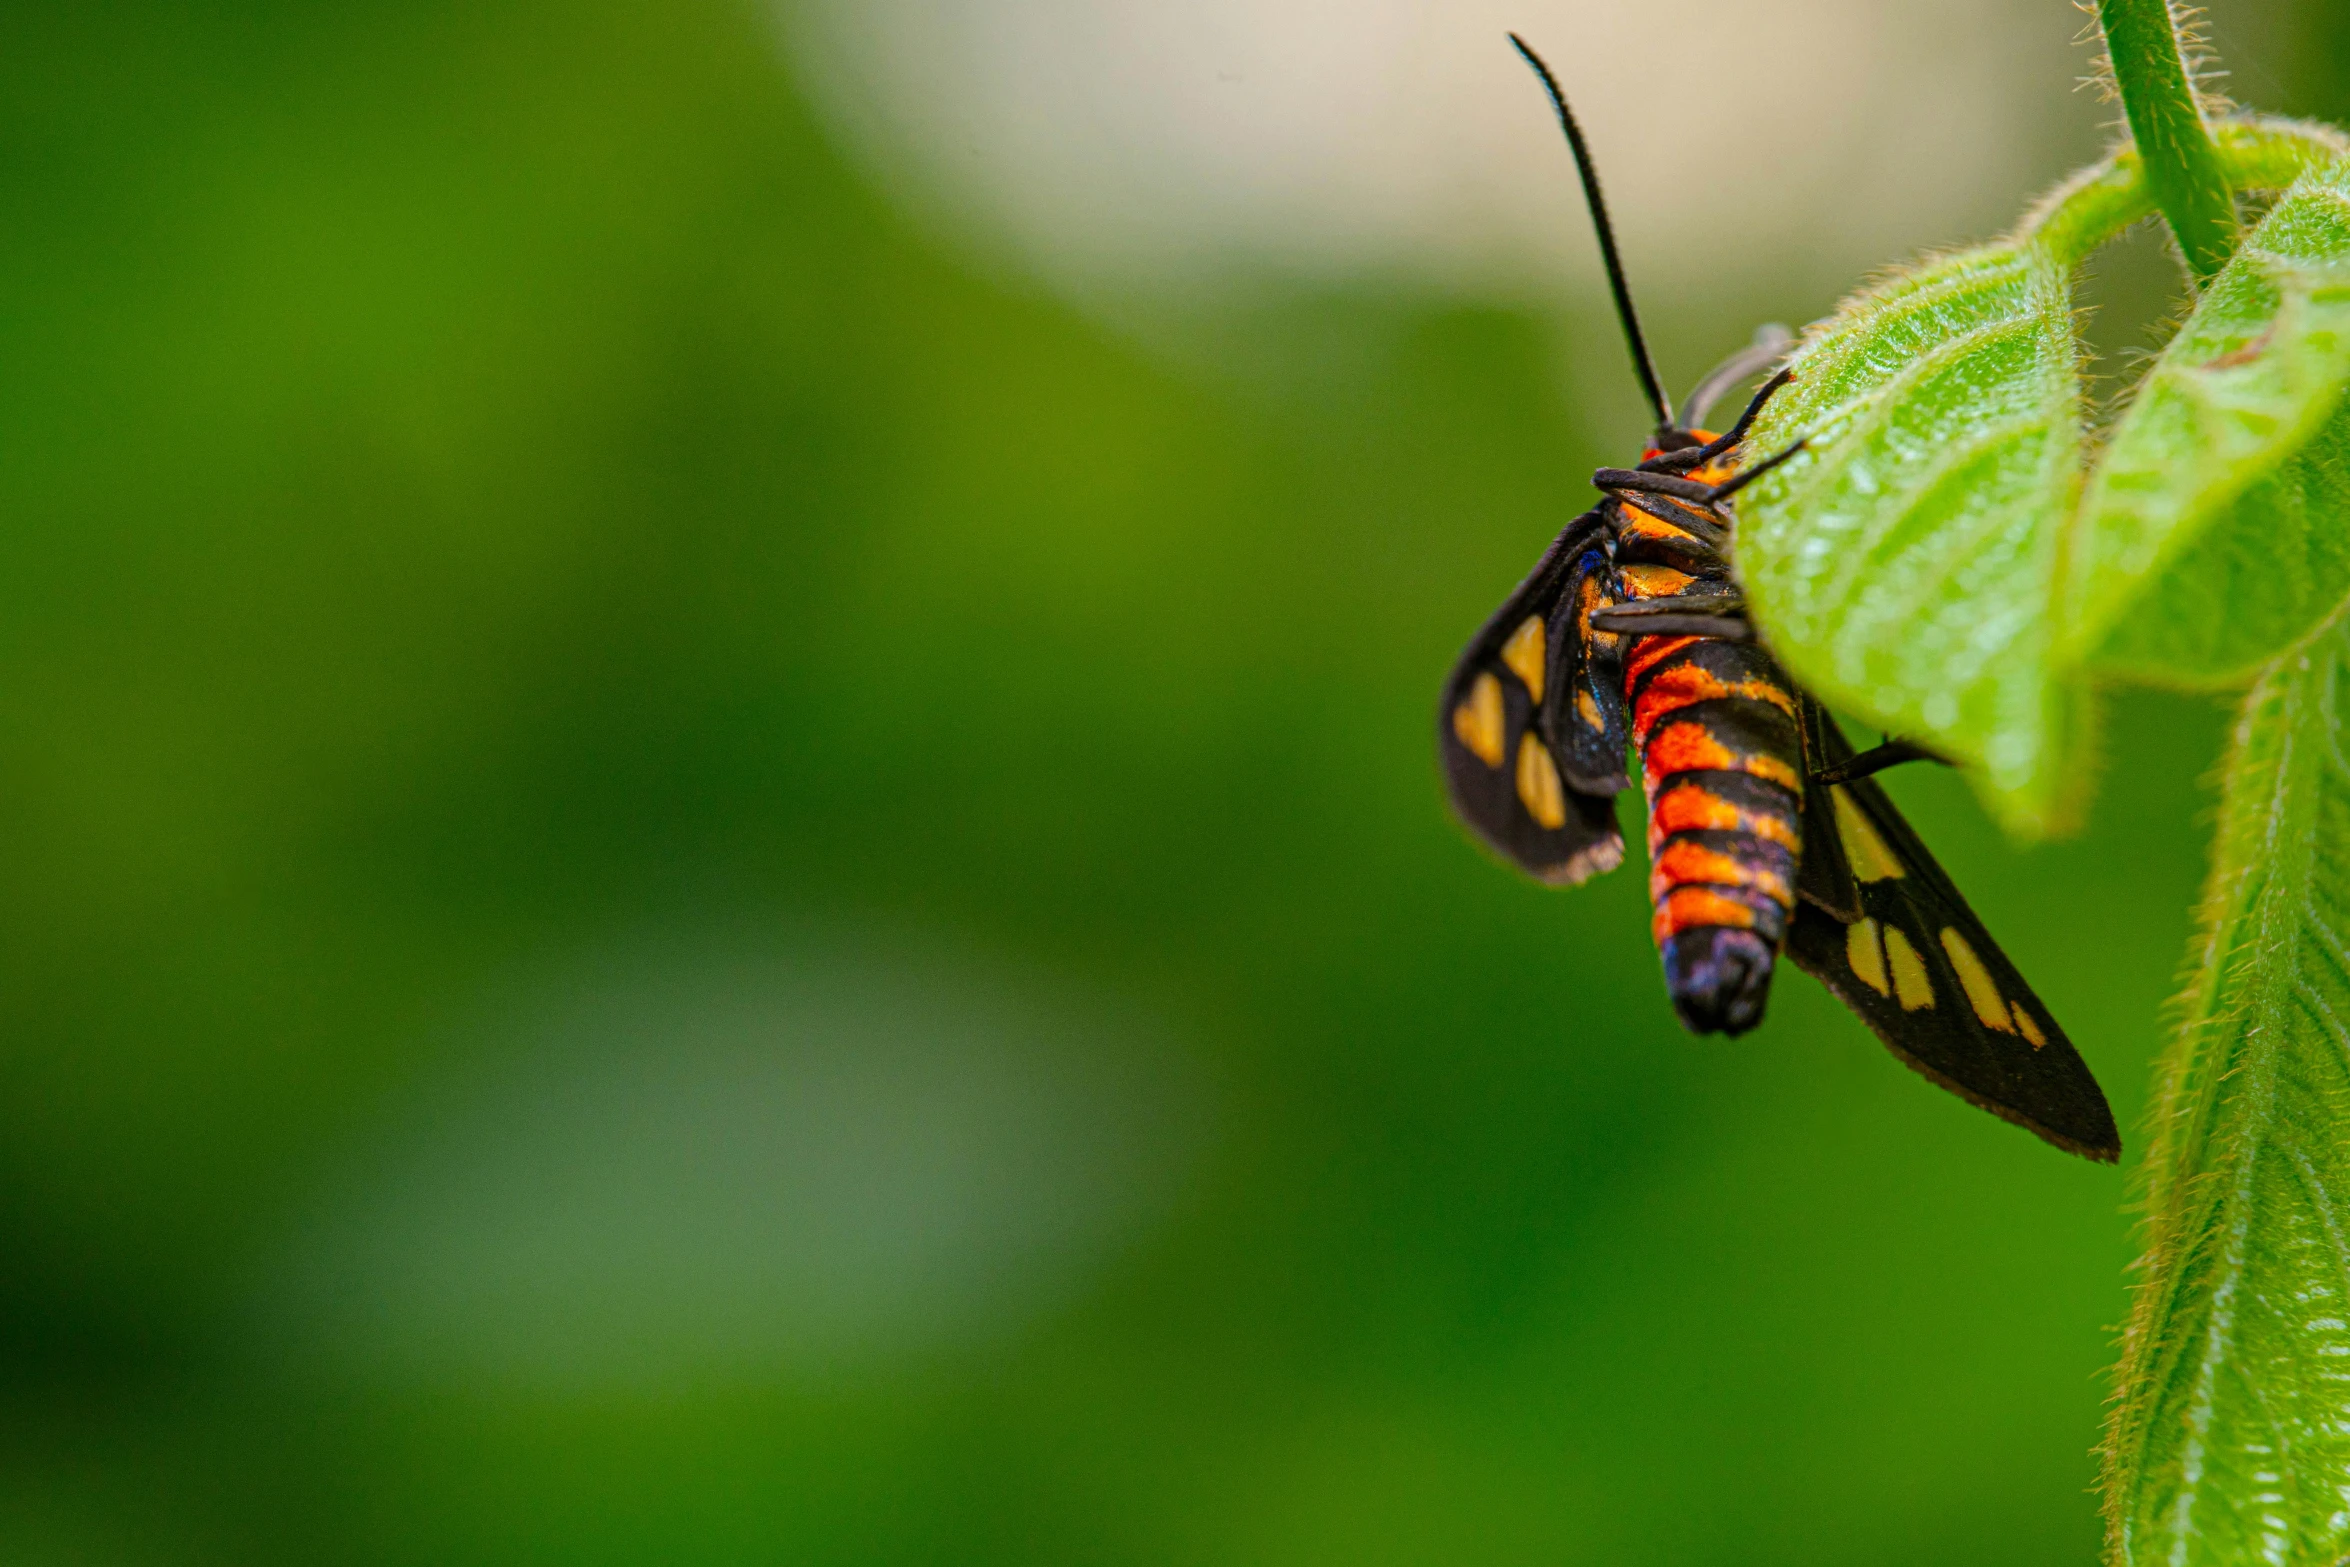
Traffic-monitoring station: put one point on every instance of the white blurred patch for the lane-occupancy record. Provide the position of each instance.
(696, 1161)
(1162, 141)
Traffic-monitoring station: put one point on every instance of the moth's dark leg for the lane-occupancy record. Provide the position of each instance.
(1697, 456)
(1723, 627)
(1636, 615)
(1729, 487)
(1615, 479)
(1891, 754)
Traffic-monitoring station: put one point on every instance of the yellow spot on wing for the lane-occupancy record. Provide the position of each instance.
(1589, 598)
(1478, 721)
(1982, 991)
(1589, 861)
(1866, 955)
(1910, 985)
(1589, 710)
(1538, 784)
(1864, 846)
(2023, 1021)
(1524, 653)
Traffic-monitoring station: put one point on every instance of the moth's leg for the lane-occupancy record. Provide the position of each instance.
(1704, 609)
(1622, 481)
(1737, 369)
(1729, 487)
(1720, 599)
(1725, 628)
(1891, 754)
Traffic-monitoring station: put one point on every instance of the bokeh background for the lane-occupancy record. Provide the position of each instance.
(717, 836)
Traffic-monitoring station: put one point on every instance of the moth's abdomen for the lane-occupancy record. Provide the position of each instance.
(1721, 754)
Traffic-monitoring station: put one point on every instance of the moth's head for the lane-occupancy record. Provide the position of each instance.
(1719, 978)
(1672, 438)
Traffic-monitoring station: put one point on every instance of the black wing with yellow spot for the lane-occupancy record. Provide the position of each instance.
(1879, 924)
(1515, 689)
(1582, 713)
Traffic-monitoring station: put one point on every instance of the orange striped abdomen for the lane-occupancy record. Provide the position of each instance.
(1722, 756)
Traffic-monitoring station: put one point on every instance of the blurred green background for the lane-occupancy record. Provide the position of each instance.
(694, 870)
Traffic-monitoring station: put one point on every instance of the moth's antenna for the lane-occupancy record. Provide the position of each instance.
(1641, 363)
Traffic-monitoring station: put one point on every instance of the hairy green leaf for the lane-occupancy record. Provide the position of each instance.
(1924, 566)
(2229, 1443)
(2272, 564)
(1906, 570)
(2198, 508)
(2259, 152)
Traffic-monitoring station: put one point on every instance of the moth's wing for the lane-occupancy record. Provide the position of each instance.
(1823, 876)
(1924, 974)
(1499, 765)
(1582, 708)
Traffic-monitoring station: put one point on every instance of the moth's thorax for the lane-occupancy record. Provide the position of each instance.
(1654, 530)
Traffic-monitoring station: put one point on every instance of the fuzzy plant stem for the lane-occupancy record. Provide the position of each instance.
(2182, 166)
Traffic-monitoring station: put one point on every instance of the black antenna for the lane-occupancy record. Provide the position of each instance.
(1607, 239)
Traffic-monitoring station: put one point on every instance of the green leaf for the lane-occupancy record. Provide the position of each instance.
(1912, 569)
(2259, 152)
(1906, 572)
(2270, 565)
(2229, 1442)
(2204, 549)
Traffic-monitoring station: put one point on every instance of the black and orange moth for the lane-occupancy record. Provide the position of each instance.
(1766, 833)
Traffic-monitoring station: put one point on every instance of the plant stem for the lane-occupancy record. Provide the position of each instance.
(2256, 152)
(2166, 120)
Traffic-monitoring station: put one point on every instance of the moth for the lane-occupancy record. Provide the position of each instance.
(1766, 833)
